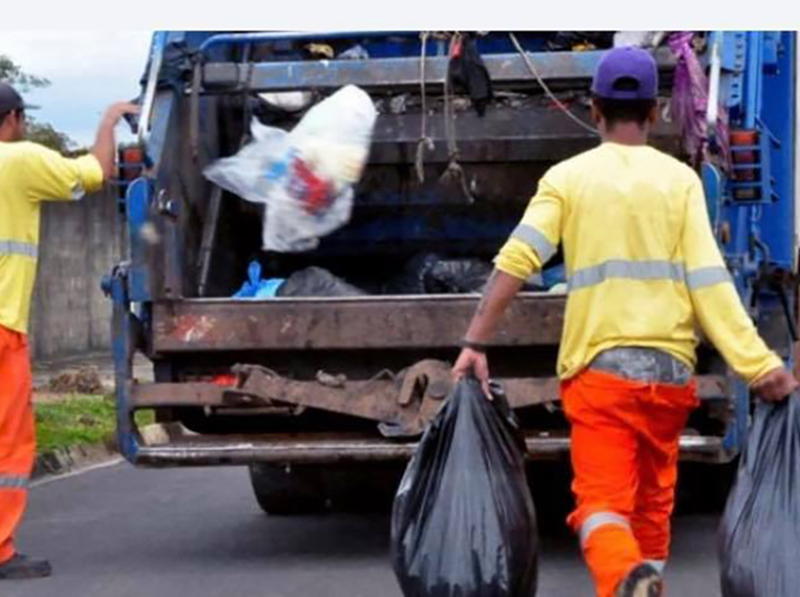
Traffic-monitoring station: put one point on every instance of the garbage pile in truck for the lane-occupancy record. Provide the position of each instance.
(306, 177)
(427, 273)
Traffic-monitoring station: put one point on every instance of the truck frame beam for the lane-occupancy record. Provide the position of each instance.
(398, 73)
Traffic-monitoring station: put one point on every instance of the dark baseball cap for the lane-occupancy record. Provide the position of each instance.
(11, 100)
(626, 74)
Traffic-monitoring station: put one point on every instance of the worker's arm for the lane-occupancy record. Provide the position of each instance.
(50, 176)
(719, 309)
(532, 243)
(497, 296)
(105, 147)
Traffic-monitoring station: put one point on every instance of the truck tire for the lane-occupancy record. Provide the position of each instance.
(703, 488)
(286, 491)
(364, 487)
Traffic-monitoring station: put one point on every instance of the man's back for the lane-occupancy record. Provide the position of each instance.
(635, 189)
(642, 263)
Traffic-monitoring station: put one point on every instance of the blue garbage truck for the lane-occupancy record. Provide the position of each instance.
(307, 389)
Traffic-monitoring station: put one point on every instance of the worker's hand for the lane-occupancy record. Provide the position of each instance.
(473, 362)
(119, 109)
(775, 385)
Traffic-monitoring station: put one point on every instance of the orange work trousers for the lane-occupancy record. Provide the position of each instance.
(625, 461)
(17, 437)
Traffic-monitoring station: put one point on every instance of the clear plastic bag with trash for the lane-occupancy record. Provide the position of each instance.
(305, 177)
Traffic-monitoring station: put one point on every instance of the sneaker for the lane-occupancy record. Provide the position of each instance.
(642, 581)
(20, 567)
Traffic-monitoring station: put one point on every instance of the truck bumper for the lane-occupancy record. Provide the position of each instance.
(169, 445)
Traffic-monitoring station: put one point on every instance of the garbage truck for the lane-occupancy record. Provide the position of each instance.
(316, 391)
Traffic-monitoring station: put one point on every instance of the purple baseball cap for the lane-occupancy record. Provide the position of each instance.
(626, 74)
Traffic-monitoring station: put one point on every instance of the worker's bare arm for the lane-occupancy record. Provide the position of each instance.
(497, 296)
(104, 148)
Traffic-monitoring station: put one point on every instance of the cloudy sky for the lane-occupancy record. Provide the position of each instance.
(88, 70)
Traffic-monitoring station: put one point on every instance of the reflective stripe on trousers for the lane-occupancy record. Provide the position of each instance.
(13, 482)
(599, 519)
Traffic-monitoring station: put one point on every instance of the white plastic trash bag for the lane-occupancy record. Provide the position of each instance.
(304, 177)
(638, 39)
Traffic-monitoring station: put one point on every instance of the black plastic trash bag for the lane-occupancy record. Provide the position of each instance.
(457, 276)
(760, 532)
(463, 523)
(429, 273)
(315, 281)
(412, 279)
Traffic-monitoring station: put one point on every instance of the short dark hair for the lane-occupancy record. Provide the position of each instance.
(619, 110)
(18, 111)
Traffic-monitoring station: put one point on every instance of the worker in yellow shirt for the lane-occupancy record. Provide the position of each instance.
(643, 271)
(30, 174)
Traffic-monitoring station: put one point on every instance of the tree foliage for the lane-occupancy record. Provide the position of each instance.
(40, 132)
(11, 73)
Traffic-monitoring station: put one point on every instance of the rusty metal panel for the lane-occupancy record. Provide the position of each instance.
(427, 322)
(401, 72)
(152, 395)
(503, 134)
(375, 399)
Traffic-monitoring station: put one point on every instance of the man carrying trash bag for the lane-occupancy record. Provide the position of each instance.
(643, 271)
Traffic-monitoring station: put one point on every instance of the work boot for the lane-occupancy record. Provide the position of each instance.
(20, 567)
(642, 581)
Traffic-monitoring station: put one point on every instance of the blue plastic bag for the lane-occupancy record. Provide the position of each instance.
(255, 287)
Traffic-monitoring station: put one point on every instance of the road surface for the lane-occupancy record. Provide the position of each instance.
(124, 532)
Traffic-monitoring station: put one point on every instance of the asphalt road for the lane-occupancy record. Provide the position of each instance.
(123, 532)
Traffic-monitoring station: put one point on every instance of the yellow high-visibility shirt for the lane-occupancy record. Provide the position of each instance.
(30, 174)
(643, 267)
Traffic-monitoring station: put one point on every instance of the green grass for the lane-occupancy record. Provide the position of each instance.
(79, 419)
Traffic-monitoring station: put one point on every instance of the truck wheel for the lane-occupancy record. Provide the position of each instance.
(703, 488)
(285, 491)
(365, 487)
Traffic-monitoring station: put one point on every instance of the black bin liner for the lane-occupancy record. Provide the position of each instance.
(412, 278)
(315, 281)
(463, 523)
(429, 273)
(458, 276)
(760, 530)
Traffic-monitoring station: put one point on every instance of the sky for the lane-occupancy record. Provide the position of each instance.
(88, 70)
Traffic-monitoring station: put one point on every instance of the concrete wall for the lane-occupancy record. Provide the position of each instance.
(80, 242)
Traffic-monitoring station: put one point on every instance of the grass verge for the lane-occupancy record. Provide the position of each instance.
(78, 419)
